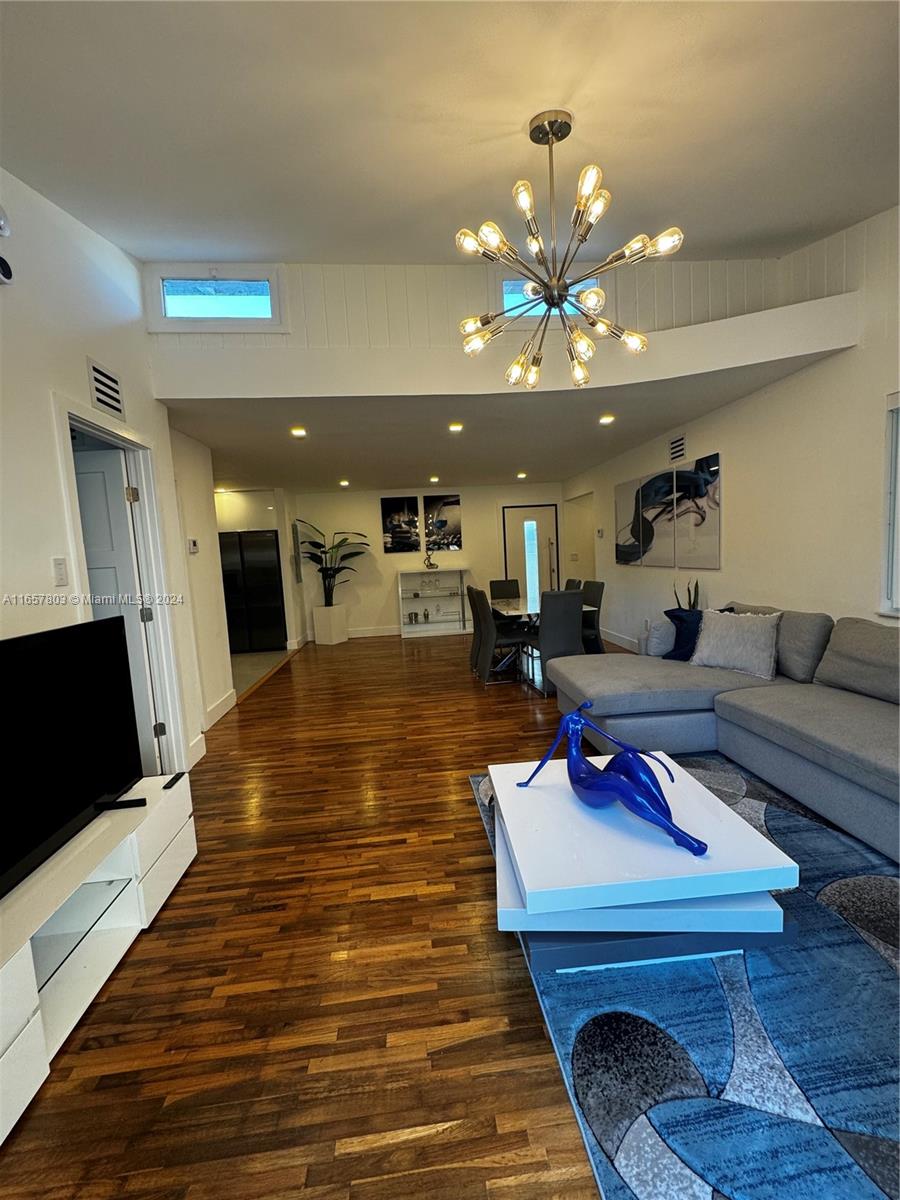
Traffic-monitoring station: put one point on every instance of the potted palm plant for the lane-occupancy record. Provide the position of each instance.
(331, 562)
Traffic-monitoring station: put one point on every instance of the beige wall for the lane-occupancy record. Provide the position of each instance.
(371, 594)
(803, 472)
(74, 295)
(579, 537)
(192, 463)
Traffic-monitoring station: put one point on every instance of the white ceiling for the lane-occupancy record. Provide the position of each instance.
(399, 441)
(345, 132)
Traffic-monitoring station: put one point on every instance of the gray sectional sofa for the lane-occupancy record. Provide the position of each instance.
(824, 730)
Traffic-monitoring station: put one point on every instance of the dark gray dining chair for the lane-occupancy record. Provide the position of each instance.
(573, 585)
(559, 632)
(476, 628)
(504, 589)
(592, 594)
(498, 648)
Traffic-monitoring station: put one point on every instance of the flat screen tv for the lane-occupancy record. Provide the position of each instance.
(70, 735)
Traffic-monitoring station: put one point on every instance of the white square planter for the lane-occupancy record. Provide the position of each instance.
(330, 624)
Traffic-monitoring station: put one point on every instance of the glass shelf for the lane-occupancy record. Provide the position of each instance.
(444, 590)
(70, 925)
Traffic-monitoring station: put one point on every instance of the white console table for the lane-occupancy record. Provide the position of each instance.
(64, 929)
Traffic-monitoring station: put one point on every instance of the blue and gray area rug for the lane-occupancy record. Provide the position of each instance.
(771, 1075)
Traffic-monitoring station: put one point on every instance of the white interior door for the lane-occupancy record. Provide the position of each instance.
(112, 574)
(531, 550)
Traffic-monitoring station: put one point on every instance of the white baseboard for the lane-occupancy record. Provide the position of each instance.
(220, 708)
(619, 639)
(196, 750)
(295, 643)
(376, 631)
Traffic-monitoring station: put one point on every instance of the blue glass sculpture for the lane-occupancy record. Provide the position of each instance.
(626, 778)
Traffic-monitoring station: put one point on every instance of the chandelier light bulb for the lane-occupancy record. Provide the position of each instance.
(583, 346)
(635, 342)
(473, 324)
(524, 198)
(579, 372)
(535, 246)
(532, 290)
(533, 374)
(515, 372)
(666, 243)
(601, 326)
(588, 182)
(467, 242)
(490, 237)
(475, 343)
(637, 246)
(593, 299)
(599, 203)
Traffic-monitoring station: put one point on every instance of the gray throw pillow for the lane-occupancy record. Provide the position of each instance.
(802, 638)
(660, 638)
(745, 642)
(863, 657)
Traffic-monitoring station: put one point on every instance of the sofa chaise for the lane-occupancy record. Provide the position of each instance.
(824, 730)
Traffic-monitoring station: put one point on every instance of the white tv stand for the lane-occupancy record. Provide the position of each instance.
(65, 928)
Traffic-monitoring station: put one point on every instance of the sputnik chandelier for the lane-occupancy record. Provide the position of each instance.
(548, 285)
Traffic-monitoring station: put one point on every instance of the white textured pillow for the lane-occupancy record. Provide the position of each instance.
(746, 642)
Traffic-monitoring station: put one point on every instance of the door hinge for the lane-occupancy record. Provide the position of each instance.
(159, 729)
(146, 615)
(132, 495)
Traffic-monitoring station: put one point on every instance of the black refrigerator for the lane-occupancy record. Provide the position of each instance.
(254, 601)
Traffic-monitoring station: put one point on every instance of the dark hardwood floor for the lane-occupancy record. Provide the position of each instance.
(324, 1008)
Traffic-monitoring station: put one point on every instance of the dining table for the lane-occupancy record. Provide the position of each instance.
(520, 608)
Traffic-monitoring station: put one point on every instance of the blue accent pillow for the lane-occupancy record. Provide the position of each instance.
(687, 622)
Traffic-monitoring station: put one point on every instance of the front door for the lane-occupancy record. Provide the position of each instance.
(531, 549)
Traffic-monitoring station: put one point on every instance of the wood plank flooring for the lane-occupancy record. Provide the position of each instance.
(324, 1010)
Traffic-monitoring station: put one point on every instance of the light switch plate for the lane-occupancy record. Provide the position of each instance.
(193, 546)
(60, 572)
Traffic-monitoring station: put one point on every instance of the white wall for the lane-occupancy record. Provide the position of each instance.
(371, 594)
(74, 295)
(803, 466)
(393, 330)
(192, 463)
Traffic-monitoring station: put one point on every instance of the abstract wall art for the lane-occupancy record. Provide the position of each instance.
(443, 523)
(671, 518)
(400, 524)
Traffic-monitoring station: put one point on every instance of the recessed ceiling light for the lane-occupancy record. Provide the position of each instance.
(298, 431)
(607, 419)
(344, 482)
(222, 491)
(434, 479)
(455, 427)
(522, 475)
(270, 508)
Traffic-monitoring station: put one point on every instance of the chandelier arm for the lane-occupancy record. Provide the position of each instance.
(603, 268)
(512, 320)
(570, 254)
(525, 271)
(542, 330)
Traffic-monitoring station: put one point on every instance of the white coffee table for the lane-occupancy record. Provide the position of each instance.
(566, 869)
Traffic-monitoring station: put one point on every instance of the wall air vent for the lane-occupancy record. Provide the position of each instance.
(677, 448)
(106, 391)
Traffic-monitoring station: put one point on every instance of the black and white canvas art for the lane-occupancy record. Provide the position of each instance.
(671, 518)
(400, 524)
(443, 523)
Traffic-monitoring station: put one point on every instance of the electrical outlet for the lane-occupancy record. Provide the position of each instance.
(60, 572)
(573, 557)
